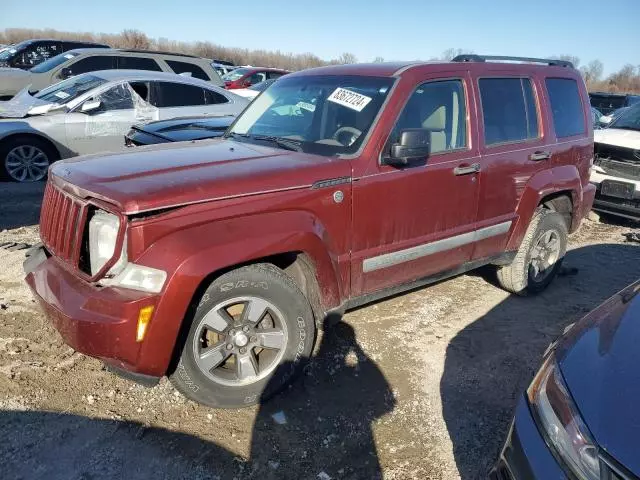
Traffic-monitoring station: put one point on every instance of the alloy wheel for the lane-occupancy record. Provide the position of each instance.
(26, 163)
(544, 255)
(240, 341)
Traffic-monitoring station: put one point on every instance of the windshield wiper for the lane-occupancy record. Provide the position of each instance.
(281, 142)
(286, 143)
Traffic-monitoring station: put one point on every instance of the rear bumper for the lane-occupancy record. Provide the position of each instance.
(96, 321)
(525, 454)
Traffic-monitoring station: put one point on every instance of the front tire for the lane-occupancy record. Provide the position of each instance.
(26, 159)
(251, 334)
(539, 257)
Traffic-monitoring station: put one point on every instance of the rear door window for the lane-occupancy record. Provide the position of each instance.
(93, 64)
(566, 107)
(274, 75)
(508, 110)
(171, 94)
(184, 67)
(138, 63)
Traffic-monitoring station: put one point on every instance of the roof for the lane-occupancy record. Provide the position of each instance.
(382, 69)
(150, 75)
(103, 51)
(392, 69)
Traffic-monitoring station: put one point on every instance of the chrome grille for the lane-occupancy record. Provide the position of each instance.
(61, 223)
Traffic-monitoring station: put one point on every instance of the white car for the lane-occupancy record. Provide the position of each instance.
(92, 112)
(616, 168)
(254, 90)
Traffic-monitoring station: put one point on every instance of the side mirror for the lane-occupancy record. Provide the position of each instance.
(90, 106)
(65, 73)
(415, 144)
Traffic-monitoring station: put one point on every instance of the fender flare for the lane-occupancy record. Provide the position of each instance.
(561, 179)
(195, 259)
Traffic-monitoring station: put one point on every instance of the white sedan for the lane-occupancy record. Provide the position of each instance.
(92, 112)
(254, 90)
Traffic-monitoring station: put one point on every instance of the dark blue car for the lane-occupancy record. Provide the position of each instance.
(580, 417)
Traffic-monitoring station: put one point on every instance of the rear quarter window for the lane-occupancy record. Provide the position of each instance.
(184, 67)
(566, 107)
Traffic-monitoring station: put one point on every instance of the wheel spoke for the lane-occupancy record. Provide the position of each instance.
(246, 365)
(547, 237)
(272, 338)
(213, 356)
(254, 310)
(217, 320)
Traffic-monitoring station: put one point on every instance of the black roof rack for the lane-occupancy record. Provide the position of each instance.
(133, 50)
(483, 58)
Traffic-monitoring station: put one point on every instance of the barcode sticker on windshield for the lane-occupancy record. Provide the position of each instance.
(349, 99)
(61, 94)
(307, 106)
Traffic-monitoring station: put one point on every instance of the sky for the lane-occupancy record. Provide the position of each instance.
(395, 30)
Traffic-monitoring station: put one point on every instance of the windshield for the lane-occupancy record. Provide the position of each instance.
(8, 53)
(629, 119)
(235, 74)
(67, 90)
(53, 62)
(326, 114)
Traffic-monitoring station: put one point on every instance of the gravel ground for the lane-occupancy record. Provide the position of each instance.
(420, 386)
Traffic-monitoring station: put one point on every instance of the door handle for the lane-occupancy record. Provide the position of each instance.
(467, 169)
(537, 156)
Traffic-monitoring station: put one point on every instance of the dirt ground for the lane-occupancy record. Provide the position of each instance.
(420, 386)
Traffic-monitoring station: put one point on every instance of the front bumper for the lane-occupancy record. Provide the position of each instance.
(100, 322)
(623, 207)
(525, 454)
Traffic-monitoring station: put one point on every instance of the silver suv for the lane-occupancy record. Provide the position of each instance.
(75, 62)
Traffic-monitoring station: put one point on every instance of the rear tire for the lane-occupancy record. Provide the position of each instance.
(539, 257)
(251, 335)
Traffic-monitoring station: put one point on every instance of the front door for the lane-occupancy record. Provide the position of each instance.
(418, 220)
(103, 129)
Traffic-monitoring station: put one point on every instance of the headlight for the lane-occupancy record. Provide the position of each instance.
(103, 233)
(561, 423)
(138, 277)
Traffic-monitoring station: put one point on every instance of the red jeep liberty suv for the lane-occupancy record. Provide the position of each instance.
(214, 262)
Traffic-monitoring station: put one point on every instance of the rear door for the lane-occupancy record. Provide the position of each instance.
(418, 220)
(513, 148)
(179, 100)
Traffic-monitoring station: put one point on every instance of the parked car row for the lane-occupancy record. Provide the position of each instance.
(73, 101)
(92, 112)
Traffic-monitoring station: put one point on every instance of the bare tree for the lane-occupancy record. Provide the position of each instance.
(378, 60)
(135, 39)
(347, 58)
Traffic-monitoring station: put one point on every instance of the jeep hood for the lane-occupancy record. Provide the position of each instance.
(164, 176)
(618, 137)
